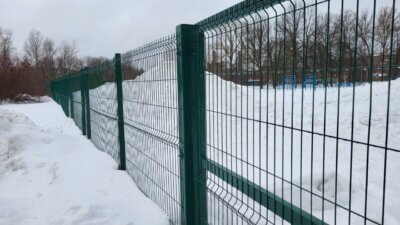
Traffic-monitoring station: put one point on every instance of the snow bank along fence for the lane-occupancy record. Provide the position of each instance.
(198, 121)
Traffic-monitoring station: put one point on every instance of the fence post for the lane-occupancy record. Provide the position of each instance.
(120, 112)
(191, 99)
(83, 100)
(87, 103)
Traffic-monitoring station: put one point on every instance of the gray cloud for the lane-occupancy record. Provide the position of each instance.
(103, 27)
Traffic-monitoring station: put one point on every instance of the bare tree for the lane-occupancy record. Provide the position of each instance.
(384, 29)
(94, 61)
(230, 47)
(68, 61)
(48, 59)
(33, 48)
(6, 48)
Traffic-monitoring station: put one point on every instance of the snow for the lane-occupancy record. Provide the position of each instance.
(51, 174)
(245, 134)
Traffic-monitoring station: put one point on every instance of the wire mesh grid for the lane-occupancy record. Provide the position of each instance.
(151, 122)
(276, 154)
(76, 110)
(103, 109)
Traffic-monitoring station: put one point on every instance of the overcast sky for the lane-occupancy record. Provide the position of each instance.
(103, 27)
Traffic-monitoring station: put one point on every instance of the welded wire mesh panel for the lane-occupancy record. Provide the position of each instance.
(151, 122)
(76, 109)
(324, 149)
(64, 102)
(66, 92)
(103, 108)
(61, 94)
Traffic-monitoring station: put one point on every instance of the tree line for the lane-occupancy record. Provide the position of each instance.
(299, 41)
(41, 60)
(266, 46)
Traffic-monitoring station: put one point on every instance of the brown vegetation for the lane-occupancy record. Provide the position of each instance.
(40, 63)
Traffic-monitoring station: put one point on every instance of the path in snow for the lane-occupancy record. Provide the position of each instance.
(51, 174)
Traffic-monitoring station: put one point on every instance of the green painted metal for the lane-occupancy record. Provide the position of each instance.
(191, 99)
(87, 103)
(99, 75)
(235, 12)
(120, 111)
(71, 100)
(83, 99)
(272, 202)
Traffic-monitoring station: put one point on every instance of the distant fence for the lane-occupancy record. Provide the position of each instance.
(198, 120)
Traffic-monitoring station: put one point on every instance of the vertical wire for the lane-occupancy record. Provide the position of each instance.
(236, 110)
(207, 105)
(231, 116)
(241, 116)
(305, 45)
(370, 114)
(283, 75)
(267, 109)
(247, 111)
(208, 129)
(253, 103)
(260, 74)
(294, 68)
(224, 148)
(275, 86)
(219, 129)
(352, 109)
(216, 115)
(325, 114)
(313, 103)
(388, 110)
(338, 108)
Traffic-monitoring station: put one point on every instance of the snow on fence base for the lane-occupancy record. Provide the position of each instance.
(255, 154)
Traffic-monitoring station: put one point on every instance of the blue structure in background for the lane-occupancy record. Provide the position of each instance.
(310, 80)
(289, 81)
(345, 84)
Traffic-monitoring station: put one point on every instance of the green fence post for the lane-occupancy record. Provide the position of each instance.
(120, 112)
(191, 99)
(87, 104)
(83, 100)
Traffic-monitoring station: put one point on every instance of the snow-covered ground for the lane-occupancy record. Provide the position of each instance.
(265, 136)
(51, 174)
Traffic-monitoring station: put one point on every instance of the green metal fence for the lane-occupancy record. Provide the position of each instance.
(203, 123)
